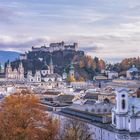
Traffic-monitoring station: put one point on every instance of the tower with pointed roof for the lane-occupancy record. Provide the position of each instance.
(45, 69)
(64, 75)
(8, 70)
(51, 66)
(20, 71)
(71, 72)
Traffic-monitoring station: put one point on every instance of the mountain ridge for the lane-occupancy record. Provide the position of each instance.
(8, 55)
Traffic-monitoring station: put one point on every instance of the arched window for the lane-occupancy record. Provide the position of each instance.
(98, 110)
(123, 104)
(114, 120)
(106, 100)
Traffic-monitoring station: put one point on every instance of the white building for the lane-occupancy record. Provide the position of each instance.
(125, 119)
(113, 75)
(46, 74)
(125, 116)
(132, 73)
(15, 74)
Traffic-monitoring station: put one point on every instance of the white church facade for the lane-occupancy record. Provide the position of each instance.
(46, 74)
(15, 74)
(125, 116)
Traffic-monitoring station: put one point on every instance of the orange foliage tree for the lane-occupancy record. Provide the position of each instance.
(21, 118)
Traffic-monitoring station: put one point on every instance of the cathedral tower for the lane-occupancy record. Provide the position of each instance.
(51, 66)
(21, 71)
(8, 70)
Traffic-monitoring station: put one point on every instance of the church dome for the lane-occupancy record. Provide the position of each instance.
(133, 69)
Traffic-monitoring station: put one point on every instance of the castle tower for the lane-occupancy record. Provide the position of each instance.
(21, 71)
(51, 66)
(119, 114)
(76, 46)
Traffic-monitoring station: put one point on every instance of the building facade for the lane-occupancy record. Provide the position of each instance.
(46, 74)
(125, 123)
(16, 73)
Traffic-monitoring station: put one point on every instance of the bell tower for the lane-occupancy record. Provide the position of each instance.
(122, 101)
(120, 112)
(71, 72)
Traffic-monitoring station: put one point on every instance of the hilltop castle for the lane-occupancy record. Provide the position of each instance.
(61, 46)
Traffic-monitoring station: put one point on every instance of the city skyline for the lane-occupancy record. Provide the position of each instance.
(102, 28)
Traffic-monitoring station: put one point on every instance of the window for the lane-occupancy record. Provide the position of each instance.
(123, 95)
(105, 110)
(123, 104)
(98, 110)
(114, 120)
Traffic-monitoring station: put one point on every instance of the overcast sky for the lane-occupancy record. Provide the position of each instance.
(108, 29)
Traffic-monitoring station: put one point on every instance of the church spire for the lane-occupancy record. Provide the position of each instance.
(71, 72)
(51, 65)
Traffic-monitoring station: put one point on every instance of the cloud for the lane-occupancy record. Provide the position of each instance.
(108, 29)
(21, 44)
(6, 15)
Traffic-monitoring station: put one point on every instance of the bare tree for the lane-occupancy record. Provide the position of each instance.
(74, 129)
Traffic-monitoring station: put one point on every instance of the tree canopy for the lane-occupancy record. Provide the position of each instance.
(21, 118)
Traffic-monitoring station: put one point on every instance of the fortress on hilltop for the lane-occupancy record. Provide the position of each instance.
(61, 46)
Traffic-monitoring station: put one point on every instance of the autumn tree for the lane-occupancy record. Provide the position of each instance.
(81, 79)
(71, 79)
(101, 64)
(22, 118)
(74, 129)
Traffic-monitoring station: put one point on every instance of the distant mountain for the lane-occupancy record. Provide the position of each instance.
(8, 55)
